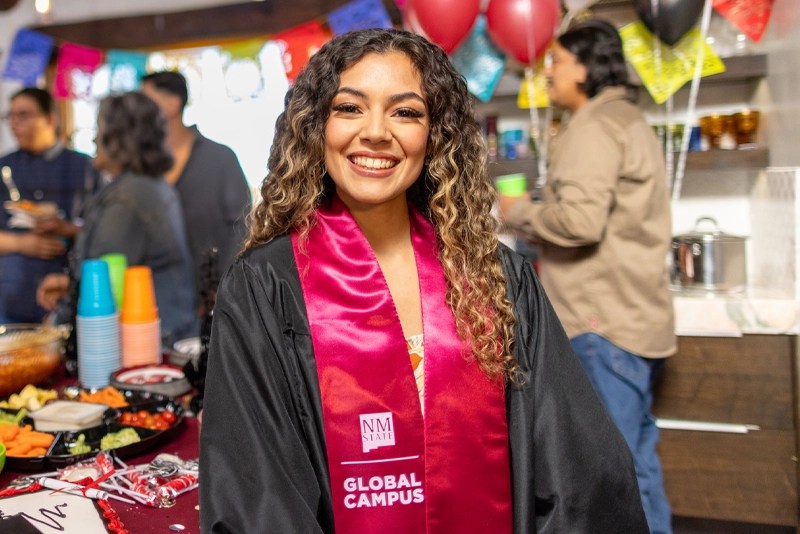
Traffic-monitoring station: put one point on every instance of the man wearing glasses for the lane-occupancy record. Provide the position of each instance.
(43, 185)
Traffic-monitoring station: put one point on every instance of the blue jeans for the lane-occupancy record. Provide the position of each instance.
(624, 383)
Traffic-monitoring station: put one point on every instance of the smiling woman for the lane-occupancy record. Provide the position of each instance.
(388, 382)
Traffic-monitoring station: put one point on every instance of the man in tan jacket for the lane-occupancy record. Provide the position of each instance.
(603, 226)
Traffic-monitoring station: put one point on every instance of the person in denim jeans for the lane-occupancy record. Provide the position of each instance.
(624, 382)
(604, 230)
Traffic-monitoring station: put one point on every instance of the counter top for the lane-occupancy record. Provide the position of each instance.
(733, 315)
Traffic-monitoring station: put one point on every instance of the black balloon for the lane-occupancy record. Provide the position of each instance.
(675, 17)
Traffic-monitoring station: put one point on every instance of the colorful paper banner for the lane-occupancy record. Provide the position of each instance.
(247, 49)
(538, 92)
(126, 69)
(479, 61)
(359, 15)
(28, 57)
(750, 16)
(677, 62)
(75, 65)
(299, 44)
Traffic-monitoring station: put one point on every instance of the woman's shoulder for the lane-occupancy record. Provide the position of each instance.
(521, 279)
(513, 262)
(275, 257)
(267, 274)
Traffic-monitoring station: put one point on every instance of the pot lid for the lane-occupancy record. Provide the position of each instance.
(708, 234)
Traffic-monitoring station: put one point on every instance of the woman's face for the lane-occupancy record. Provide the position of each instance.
(377, 131)
(102, 161)
(563, 76)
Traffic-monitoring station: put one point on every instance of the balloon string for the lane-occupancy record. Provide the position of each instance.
(541, 136)
(544, 136)
(691, 106)
(659, 73)
(534, 114)
(536, 131)
(669, 154)
(654, 5)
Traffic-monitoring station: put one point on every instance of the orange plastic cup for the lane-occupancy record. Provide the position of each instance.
(139, 296)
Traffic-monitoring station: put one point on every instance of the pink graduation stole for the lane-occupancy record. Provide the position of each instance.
(391, 471)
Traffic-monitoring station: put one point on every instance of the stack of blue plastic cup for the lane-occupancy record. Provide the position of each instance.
(98, 327)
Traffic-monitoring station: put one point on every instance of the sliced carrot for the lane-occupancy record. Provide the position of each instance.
(20, 449)
(36, 439)
(8, 432)
(36, 451)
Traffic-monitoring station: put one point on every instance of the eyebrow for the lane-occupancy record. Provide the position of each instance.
(394, 98)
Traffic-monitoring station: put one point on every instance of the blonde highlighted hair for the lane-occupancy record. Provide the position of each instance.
(453, 191)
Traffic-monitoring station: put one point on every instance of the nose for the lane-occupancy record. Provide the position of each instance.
(375, 128)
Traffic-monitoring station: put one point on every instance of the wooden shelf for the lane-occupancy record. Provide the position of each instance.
(741, 68)
(710, 160)
(727, 160)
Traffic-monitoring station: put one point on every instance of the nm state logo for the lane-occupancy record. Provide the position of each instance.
(377, 430)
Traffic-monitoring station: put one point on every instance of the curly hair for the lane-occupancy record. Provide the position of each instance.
(454, 191)
(132, 133)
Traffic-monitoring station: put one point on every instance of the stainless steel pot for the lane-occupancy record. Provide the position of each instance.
(709, 259)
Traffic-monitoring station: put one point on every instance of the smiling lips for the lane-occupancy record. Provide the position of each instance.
(373, 163)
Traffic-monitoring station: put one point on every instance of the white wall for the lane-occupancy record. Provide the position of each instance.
(783, 83)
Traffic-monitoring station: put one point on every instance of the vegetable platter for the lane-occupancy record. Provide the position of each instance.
(134, 422)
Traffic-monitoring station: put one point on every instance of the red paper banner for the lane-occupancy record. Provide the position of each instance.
(750, 16)
(299, 44)
(74, 70)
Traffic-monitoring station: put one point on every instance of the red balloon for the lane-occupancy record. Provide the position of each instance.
(522, 28)
(445, 22)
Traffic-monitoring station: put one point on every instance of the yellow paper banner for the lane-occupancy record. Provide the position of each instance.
(677, 62)
(247, 49)
(539, 92)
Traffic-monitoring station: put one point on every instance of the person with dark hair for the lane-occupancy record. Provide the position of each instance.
(603, 228)
(210, 182)
(34, 240)
(385, 363)
(137, 214)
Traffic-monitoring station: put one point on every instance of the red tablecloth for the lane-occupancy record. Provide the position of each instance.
(142, 519)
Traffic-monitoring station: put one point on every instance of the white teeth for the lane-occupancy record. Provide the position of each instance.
(373, 163)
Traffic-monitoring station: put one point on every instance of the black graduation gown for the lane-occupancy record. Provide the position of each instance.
(262, 450)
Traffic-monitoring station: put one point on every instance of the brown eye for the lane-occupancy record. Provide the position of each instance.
(409, 113)
(346, 108)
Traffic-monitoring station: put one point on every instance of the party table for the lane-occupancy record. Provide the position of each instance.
(140, 519)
